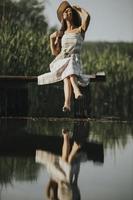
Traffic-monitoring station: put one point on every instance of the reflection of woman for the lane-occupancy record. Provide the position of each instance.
(64, 170)
(66, 45)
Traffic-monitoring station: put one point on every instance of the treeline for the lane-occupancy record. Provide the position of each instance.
(19, 14)
(24, 41)
(115, 96)
(24, 52)
(114, 58)
(15, 168)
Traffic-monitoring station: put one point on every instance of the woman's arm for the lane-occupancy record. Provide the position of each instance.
(85, 17)
(54, 43)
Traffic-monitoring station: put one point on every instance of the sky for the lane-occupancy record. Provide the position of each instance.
(111, 20)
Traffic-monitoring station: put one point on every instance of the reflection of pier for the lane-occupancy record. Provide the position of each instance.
(26, 145)
(20, 96)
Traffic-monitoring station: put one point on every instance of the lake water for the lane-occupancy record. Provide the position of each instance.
(106, 172)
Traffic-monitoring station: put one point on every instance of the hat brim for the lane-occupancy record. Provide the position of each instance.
(62, 7)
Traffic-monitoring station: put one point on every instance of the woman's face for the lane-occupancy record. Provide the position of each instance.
(67, 14)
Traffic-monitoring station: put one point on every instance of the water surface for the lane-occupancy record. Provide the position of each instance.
(107, 173)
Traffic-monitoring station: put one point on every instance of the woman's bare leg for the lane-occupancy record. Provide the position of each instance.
(66, 145)
(76, 89)
(73, 152)
(67, 93)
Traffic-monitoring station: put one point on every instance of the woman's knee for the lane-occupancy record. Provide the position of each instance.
(73, 77)
(67, 79)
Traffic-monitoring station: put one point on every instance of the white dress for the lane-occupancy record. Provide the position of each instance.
(67, 62)
(59, 170)
(62, 172)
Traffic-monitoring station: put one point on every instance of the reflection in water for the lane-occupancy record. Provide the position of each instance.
(21, 178)
(17, 147)
(64, 169)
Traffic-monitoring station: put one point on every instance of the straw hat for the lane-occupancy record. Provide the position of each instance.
(62, 7)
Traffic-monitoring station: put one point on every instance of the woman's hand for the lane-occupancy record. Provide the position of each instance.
(76, 7)
(54, 35)
(55, 43)
(85, 17)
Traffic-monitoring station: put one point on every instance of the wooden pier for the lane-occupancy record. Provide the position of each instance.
(21, 96)
(100, 76)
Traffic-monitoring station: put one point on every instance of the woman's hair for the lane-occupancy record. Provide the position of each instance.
(76, 18)
(76, 21)
(63, 26)
(52, 190)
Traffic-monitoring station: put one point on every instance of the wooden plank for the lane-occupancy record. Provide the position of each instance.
(19, 78)
(99, 76)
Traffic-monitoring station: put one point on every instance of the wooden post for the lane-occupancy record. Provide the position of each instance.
(82, 106)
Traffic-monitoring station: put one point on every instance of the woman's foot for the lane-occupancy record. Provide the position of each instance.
(78, 94)
(66, 144)
(66, 109)
(75, 148)
(65, 131)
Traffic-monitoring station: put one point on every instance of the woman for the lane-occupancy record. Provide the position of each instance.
(63, 170)
(66, 45)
